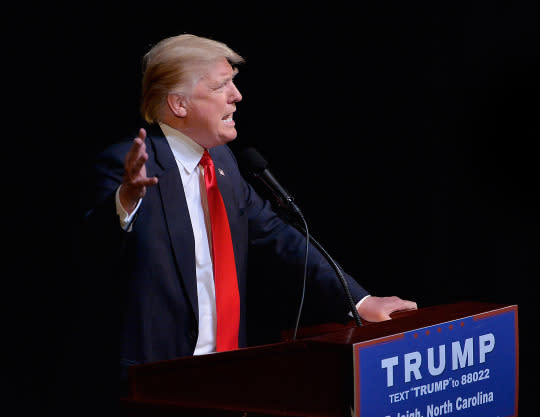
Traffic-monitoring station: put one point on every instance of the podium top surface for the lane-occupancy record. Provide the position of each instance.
(404, 321)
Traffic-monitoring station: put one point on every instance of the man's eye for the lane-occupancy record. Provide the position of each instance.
(221, 86)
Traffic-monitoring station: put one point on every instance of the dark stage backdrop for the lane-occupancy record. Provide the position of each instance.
(407, 133)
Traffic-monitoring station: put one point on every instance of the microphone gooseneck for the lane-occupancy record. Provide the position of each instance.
(258, 167)
(341, 277)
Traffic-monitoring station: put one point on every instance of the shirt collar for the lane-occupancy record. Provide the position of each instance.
(186, 151)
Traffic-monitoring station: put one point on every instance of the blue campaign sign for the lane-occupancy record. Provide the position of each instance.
(466, 367)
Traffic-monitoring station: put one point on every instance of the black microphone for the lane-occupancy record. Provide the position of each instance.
(258, 167)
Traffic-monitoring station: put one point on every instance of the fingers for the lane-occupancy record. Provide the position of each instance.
(142, 134)
(138, 145)
(134, 164)
(398, 304)
(135, 180)
(409, 305)
(136, 156)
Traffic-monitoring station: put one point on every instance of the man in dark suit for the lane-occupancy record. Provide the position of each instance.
(149, 220)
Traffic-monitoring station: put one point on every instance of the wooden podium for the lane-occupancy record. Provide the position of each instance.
(311, 376)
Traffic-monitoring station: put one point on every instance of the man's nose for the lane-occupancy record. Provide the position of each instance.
(235, 94)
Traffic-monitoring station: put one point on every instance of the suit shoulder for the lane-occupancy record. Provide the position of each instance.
(224, 153)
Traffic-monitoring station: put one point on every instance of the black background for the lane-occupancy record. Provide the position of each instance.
(407, 133)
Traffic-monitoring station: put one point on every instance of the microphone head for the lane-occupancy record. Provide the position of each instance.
(253, 160)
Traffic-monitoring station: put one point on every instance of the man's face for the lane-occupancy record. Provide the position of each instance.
(210, 108)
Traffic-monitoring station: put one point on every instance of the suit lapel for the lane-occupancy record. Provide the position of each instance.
(176, 212)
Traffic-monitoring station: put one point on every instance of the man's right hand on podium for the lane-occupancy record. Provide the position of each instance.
(380, 308)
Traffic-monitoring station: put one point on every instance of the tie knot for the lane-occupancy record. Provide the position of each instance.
(206, 159)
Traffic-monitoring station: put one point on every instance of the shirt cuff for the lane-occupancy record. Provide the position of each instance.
(123, 215)
(361, 301)
(358, 304)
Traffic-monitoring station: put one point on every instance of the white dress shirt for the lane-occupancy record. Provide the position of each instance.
(187, 154)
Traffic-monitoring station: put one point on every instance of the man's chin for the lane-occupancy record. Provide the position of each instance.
(229, 137)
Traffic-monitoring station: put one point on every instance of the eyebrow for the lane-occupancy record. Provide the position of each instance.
(224, 80)
(231, 77)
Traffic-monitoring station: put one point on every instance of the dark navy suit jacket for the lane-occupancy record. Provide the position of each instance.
(154, 264)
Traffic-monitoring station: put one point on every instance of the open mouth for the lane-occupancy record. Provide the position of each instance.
(228, 120)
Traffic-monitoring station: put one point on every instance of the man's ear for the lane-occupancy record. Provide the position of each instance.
(177, 104)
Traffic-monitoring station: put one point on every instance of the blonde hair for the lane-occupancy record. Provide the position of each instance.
(175, 64)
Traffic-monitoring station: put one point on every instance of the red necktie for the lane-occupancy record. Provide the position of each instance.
(225, 281)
